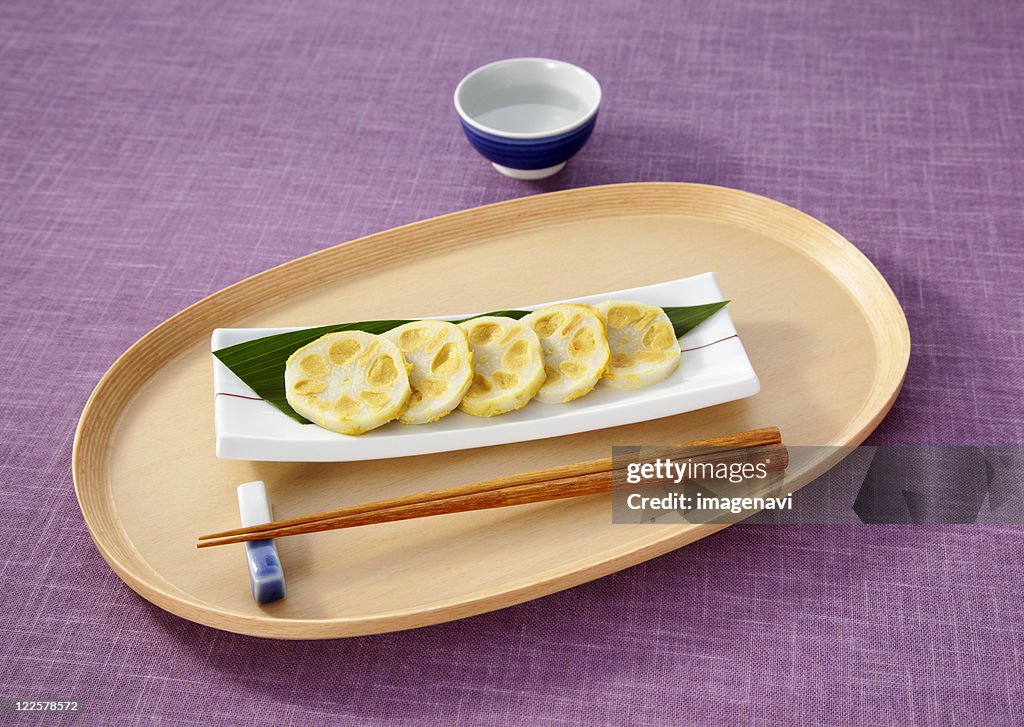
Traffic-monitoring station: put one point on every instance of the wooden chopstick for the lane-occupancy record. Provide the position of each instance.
(575, 486)
(556, 483)
(574, 480)
(767, 436)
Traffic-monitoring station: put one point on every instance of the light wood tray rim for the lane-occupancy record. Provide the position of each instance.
(119, 384)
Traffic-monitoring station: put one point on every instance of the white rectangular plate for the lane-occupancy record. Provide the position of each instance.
(714, 369)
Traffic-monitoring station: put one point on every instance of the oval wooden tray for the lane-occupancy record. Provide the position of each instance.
(821, 326)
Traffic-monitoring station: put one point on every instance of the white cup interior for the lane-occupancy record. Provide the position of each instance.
(527, 97)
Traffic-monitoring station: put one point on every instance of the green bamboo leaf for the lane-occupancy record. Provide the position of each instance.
(260, 363)
(687, 317)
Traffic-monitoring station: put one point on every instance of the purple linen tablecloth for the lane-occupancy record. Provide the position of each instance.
(152, 153)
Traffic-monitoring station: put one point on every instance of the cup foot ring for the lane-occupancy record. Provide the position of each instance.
(529, 174)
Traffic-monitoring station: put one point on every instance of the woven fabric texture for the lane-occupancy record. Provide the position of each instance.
(152, 153)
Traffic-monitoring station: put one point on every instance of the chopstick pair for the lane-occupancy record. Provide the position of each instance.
(556, 483)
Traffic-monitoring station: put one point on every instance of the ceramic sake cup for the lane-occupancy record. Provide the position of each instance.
(528, 116)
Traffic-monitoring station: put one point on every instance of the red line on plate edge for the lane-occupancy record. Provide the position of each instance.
(695, 348)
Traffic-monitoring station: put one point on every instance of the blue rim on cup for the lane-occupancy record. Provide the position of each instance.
(528, 116)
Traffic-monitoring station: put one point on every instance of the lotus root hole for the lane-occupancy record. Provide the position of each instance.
(383, 372)
(583, 343)
(658, 337)
(341, 352)
(376, 399)
(436, 341)
(313, 364)
(447, 360)
(513, 332)
(620, 316)
(370, 353)
(622, 361)
(434, 388)
(483, 333)
(505, 379)
(547, 325)
(310, 386)
(517, 356)
(645, 319)
(346, 406)
(413, 339)
(573, 322)
(480, 386)
(573, 369)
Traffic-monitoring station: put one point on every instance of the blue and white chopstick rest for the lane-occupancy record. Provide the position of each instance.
(266, 575)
